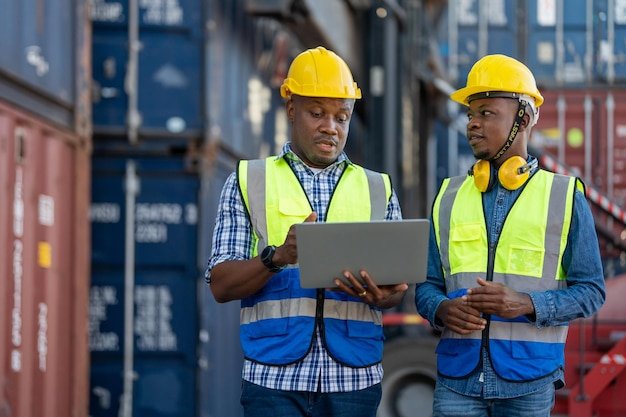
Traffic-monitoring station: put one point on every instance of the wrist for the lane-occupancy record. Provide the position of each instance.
(267, 258)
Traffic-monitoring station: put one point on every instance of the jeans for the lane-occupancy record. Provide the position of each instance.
(258, 401)
(448, 403)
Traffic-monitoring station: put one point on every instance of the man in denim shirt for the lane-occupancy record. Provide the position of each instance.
(513, 258)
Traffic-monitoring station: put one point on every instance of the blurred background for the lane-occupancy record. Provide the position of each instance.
(120, 121)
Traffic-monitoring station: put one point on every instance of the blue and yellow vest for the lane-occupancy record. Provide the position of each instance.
(527, 257)
(277, 324)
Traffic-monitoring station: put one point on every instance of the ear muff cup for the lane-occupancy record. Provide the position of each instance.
(509, 173)
(512, 174)
(482, 175)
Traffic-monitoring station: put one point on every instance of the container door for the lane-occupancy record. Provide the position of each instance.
(166, 277)
(170, 64)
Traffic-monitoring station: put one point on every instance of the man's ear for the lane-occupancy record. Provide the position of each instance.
(525, 121)
(290, 110)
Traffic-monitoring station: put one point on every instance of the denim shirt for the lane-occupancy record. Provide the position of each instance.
(583, 296)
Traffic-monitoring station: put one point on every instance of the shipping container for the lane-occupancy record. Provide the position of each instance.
(44, 267)
(564, 42)
(221, 357)
(585, 130)
(246, 62)
(169, 68)
(205, 71)
(45, 60)
(165, 315)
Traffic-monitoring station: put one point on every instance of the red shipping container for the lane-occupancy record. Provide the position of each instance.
(585, 129)
(44, 267)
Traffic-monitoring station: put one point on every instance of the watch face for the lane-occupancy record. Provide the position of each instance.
(268, 253)
(266, 257)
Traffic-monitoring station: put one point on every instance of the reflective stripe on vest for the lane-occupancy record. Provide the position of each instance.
(527, 258)
(277, 323)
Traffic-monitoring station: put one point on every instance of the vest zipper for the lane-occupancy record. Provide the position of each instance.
(491, 257)
(319, 314)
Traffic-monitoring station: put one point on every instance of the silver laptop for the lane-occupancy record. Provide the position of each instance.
(392, 252)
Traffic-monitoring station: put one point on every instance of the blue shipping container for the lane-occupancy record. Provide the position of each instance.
(557, 41)
(44, 59)
(564, 42)
(221, 357)
(166, 282)
(170, 66)
(481, 27)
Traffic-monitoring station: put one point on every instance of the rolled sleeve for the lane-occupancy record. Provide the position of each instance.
(232, 235)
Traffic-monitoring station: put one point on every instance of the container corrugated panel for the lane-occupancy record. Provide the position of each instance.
(591, 138)
(553, 55)
(170, 66)
(500, 31)
(44, 265)
(586, 130)
(166, 282)
(221, 357)
(609, 45)
(564, 42)
(43, 69)
(247, 62)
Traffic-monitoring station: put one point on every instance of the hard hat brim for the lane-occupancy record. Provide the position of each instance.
(462, 95)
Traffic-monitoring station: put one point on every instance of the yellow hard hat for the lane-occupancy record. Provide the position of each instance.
(498, 74)
(319, 73)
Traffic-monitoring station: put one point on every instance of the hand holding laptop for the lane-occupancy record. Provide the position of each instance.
(366, 289)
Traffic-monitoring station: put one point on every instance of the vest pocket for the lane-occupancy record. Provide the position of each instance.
(266, 328)
(534, 350)
(293, 209)
(366, 330)
(465, 239)
(525, 260)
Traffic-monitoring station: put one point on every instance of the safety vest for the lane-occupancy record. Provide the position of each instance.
(277, 324)
(527, 257)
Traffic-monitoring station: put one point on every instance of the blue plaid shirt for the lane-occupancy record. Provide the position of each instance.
(233, 240)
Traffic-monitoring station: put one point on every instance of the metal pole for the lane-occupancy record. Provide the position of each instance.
(390, 110)
(589, 43)
(133, 117)
(588, 142)
(610, 143)
(483, 28)
(453, 140)
(610, 34)
(561, 109)
(560, 44)
(131, 190)
(453, 69)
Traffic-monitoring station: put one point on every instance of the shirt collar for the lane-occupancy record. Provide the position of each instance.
(288, 153)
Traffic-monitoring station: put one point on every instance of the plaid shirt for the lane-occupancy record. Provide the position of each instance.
(233, 239)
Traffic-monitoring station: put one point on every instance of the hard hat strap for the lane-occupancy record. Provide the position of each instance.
(521, 109)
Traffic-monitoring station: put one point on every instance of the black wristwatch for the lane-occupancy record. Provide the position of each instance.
(266, 257)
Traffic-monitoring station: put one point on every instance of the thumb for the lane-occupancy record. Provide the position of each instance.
(482, 282)
(311, 217)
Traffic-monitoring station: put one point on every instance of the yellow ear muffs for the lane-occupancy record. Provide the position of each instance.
(513, 173)
(482, 175)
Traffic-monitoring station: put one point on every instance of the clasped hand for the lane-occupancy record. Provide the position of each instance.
(463, 315)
